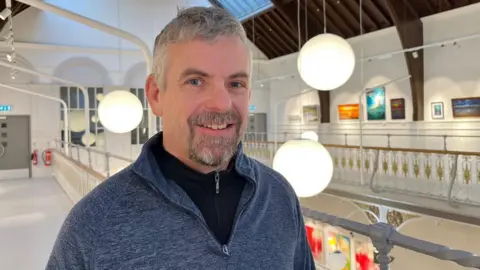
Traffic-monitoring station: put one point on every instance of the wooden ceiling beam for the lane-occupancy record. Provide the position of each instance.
(287, 40)
(256, 27)
(331, 28)
(410, 30)
(289, 15)
(368, 21)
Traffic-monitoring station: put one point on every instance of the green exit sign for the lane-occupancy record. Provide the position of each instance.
(5, 108)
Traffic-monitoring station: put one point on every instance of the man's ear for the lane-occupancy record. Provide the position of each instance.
(152, 91)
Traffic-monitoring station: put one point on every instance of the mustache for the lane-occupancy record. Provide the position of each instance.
(215, 118)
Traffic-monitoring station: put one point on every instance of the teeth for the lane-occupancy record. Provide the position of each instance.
(216, 126)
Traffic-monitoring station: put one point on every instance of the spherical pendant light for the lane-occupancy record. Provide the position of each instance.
(120, 111)
(88, 138)
(326, 62)
(306, 165)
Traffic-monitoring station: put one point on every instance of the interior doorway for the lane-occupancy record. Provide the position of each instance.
(15, 161)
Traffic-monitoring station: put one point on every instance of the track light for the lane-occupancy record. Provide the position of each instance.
(11, 56)
(5, 13)
(14, 72)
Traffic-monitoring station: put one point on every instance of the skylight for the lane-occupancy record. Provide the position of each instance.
(244, 9)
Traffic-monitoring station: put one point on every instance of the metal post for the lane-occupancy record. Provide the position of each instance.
(89, 152)
(380, 233)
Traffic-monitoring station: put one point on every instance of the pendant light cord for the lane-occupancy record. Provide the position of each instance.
(324, 18)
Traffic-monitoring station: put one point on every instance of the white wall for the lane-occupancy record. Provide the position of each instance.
(57, 46)
(450, 72)
(44, 117)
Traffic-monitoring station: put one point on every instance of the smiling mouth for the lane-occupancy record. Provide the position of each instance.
(216, 126)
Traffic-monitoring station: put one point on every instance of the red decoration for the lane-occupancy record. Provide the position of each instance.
(315, 242)
(364, 262)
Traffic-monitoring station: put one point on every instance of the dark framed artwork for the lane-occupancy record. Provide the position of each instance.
(376, 104)
(466, 107)
(437, 110)
(397, 108)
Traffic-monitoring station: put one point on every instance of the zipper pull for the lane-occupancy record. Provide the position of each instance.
(217, 182)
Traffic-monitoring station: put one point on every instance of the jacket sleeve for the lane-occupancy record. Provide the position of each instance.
(303, 253)
(73, 248)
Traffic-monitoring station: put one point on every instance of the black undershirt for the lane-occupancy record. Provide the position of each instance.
(217, 203)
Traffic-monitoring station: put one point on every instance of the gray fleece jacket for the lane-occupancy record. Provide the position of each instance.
(137, 219)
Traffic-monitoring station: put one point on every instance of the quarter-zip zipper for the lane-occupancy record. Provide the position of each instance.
(237, 217)
(217, 182)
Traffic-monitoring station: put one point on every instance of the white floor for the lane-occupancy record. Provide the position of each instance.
(31, 213)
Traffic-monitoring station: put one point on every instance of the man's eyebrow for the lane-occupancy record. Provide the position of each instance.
(193, 71)
(239, 75)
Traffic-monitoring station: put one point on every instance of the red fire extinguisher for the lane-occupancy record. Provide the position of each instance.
(34, 157)
(47, 157)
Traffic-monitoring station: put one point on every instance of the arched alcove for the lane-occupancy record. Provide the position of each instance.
(84, 71)
(135, 77)
(20, 77)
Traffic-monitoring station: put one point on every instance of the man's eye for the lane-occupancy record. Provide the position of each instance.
(194, 82)
(236, 84)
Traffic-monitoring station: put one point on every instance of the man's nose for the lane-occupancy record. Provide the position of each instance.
(219, 98)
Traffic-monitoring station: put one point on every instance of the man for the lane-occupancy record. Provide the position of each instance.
(192, 200)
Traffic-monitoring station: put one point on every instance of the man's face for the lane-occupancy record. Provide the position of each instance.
(204, 106)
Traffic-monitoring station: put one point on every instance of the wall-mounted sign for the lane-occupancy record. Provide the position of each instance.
(252, 108)
(5, 108)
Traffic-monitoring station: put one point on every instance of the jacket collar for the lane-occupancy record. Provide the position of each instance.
(147, 168)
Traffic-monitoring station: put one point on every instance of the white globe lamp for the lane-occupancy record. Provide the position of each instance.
(326, 62)
(77, 121)
(88, 138)
(120, 111)
(310, 135)
(336, 260)
(306, 165)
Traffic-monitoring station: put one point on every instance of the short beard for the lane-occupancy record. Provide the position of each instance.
(213, 151)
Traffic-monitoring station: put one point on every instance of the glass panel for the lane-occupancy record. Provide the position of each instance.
(73, 98)
(77, 137)
(141, 96)
(244, 9)
(81, 99)
(64, 93)
(133, 137)
(143, 128)
(92, 98)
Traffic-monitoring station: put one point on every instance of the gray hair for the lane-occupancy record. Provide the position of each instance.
(206, 23)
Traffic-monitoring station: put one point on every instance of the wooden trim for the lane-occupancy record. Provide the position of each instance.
(87, 169)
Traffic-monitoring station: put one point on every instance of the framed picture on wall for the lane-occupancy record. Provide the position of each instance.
(311, 113)
(397, 108)
(466, 107)
(376, 104)
(348, 112)
(437, 110)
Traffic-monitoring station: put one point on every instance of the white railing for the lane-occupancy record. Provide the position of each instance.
(443, 169)
(78, 174)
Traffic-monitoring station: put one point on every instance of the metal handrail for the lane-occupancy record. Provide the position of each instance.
(385, 237)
